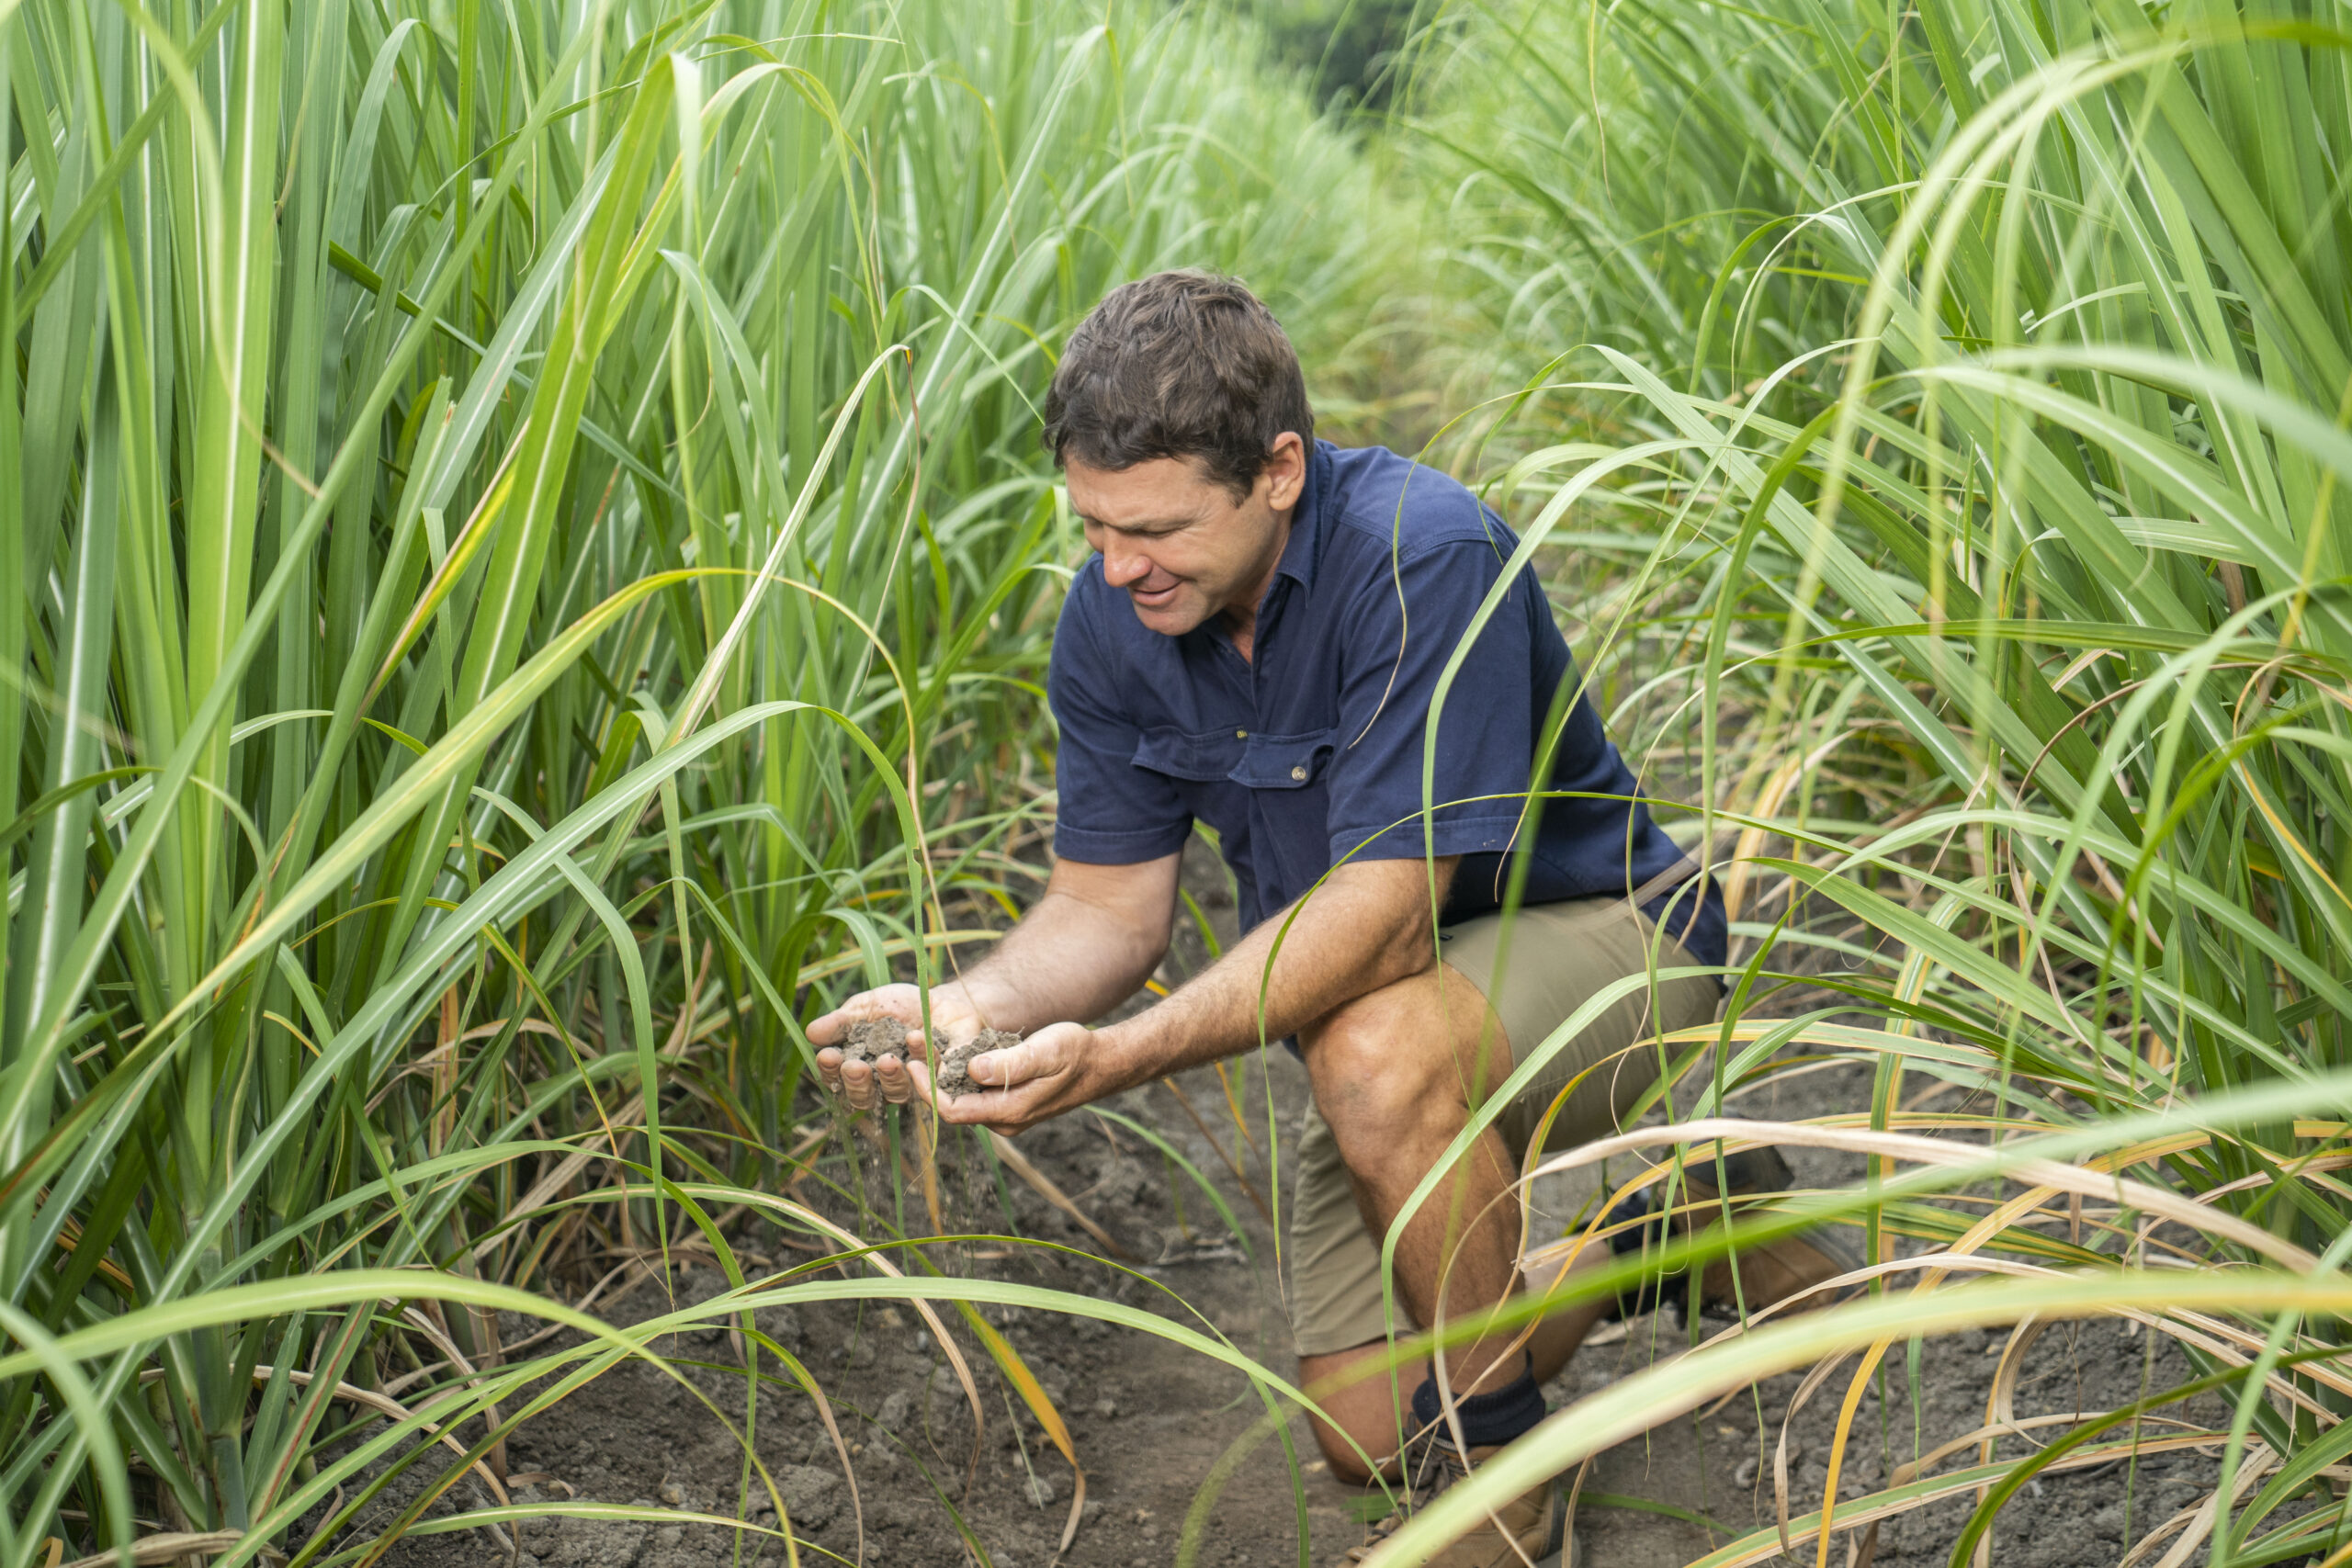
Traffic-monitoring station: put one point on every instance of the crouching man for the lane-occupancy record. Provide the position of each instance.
(1258, 646)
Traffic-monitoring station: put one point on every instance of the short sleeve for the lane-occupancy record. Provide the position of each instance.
(1401, 631)
(1110, 811)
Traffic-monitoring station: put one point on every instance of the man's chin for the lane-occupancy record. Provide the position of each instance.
(1178, 616)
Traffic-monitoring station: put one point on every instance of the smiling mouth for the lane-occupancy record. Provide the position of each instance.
(1155, 597)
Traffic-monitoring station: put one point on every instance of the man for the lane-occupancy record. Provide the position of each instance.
(1258, 646)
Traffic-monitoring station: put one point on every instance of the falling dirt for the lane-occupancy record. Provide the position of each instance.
(954, 1074)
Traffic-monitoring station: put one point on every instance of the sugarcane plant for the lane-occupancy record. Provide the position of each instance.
(1947, 412)
(523, 568)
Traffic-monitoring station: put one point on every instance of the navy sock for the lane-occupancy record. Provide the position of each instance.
(1488, 1419)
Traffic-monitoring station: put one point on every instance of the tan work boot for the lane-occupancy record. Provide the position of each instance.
(1532, 1523)
(1792, 1266)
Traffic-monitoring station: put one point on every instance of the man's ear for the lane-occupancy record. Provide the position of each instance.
(1285, 475)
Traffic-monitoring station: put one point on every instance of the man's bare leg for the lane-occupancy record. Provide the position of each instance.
(1394, 1073)
(1371, 1410)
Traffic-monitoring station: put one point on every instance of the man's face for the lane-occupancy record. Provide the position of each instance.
(1178, 541)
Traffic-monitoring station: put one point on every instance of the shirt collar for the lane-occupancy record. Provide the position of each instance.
(1305, 545)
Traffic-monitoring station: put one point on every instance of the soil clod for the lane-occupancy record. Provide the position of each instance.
(871, 1039)
(954, 1074)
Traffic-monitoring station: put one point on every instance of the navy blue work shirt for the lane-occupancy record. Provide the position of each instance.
(1310, 753)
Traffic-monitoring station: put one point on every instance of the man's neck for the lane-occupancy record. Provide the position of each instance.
(1241, 618)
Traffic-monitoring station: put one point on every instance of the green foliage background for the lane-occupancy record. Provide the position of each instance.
(1940, 418)
(524, 566)
(523, 549)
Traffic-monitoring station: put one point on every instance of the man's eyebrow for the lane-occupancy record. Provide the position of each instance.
(1141, 526)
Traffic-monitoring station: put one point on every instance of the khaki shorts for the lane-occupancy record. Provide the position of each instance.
(1560, 955)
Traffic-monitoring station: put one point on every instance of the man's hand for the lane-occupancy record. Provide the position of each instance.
(1084, 948)
(1058, 1069)
(890, 1079)
(1022, 1086)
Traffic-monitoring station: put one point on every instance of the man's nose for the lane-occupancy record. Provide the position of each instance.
(1122, 566)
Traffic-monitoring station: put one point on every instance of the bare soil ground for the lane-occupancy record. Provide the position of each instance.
(1150, 1420)
(1153, 1422)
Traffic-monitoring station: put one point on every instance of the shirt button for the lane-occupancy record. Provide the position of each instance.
(1241, 735)
(1300, 773)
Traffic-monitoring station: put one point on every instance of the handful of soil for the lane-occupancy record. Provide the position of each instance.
(871, 1039)
(953, 1074)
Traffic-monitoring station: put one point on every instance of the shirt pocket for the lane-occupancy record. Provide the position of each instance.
(1205, 758)
(1284, 762)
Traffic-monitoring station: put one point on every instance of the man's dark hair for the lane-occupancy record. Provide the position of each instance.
(1178, 364)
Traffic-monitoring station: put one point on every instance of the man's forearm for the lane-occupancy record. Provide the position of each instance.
(1056, 965)
(1085, 947)
(1367, 928)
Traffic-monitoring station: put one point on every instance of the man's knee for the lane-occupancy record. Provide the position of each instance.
(1394, 1058)
(1375, 1064)
(1366, 1413)
(1343, 1458)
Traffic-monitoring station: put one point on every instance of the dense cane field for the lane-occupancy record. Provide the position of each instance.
(525, 573)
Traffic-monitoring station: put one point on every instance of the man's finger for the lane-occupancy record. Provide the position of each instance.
(1003, 1069)
(829, 1067)
(1000, 1110)
(916, 1074)
(890, 1075)
(833, 1026)
(1014, 1064)
(857, 1085)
